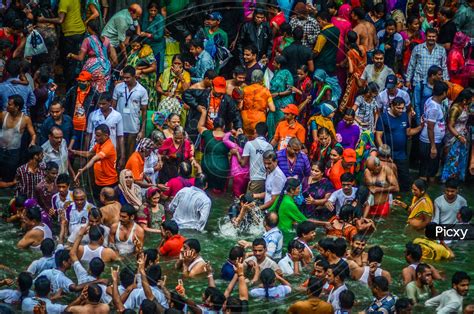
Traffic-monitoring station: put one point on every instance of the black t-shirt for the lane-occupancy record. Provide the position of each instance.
(296, 55)
(447, 32)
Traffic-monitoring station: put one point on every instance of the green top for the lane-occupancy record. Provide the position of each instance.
(222, 34)
(173, 6)
(215, 160)
(288, 213)
(73, 24)
(329, 50)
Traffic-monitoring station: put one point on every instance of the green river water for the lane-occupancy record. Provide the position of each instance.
(390, 235)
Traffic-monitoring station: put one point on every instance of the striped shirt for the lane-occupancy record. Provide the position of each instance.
(27, 181)
(421, 60)
(300, 167)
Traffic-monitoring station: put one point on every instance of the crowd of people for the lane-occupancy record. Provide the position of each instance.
(123, 119)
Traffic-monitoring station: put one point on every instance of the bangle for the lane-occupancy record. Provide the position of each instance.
(210, 275)
(240, 275)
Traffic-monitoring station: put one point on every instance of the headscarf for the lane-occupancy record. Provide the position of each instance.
(345, 11)
(132, 195)
(460, 40)
(327, 108)
(145, 145)
(332, 81)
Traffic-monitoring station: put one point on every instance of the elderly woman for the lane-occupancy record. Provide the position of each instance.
(420, 212)
(172, 121)
(142, 59)
(174, 150)
(280, 87)
(153, 214)
(127, 191)
(153, 162)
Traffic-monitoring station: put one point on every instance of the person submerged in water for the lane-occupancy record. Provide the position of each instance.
(243, 213)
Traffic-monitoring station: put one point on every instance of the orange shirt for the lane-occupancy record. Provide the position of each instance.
(79, 119)
(104, 169)
(255, 106)
(336, 172)
(136, 164)
(172, 246)
(284, 132)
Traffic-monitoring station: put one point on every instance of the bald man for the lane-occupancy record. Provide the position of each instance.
(381, 181)
(111, 209)
(115, 30)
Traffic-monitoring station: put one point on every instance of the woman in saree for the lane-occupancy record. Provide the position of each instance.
(318, 191)
(142, 59)
(172, 83)
(174, 150)
(153, 213)
(326, 88)
(457, 138)
(322, 119)
(280, 87)
(153, 32)
(343, 22)
(215, 159)
(322, 147)
(356, 62)
(98, 50)
(92, 12)
(420, 212)
(127, 191)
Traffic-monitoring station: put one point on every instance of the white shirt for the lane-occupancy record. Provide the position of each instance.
(274, 183)
(287, 265)
(384, 99)
(37, 266)
(77, 218)
(83, 277)
(58, 280)
(85, 239)
(10, 296)
(447, 302)
(59, 156)
(433, 113)
(113, 121)
(274, 292)
(130, 110)
(29, 304)
(446, 213)
(137, 296)
(191, 207)
(333, 297)
(254, 150)
(339, 199)
(370, 75)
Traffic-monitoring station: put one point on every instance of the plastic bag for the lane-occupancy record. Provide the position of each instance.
(35, 44)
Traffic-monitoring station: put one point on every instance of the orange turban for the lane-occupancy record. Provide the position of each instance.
(84, 76)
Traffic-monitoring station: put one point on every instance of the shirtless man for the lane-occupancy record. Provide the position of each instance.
(356, 256)
(37, 231)
(365, 30)
(384, 153)
(238, 80)
(381, 182)
(190, 261)
(206, 83)
(126, 234)
(95, 248)
(111, 209)
(413, 254)
(13, 124)
(89, 302)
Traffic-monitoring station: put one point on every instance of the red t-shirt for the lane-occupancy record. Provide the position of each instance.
(11, 38)
(172, 246)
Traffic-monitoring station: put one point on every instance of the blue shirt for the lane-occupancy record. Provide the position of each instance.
(204, 62)
(227, 271)
(394, 133)
(66, 126)
(8, 89)
(384, 305)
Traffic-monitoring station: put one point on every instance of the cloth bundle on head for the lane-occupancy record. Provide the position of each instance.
(84, 76)
(332, 81)
(132, 195)
(145, 145)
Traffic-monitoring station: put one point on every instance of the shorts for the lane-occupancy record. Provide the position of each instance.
(256, 186)
(380, 209)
